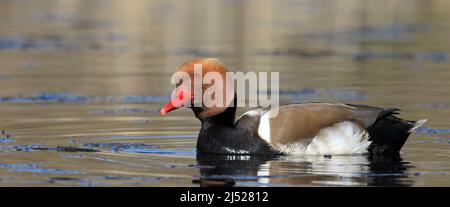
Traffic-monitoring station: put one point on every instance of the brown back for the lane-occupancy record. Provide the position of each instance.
(297, 122)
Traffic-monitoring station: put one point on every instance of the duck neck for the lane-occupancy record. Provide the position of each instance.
(217, 131)
(225, 119)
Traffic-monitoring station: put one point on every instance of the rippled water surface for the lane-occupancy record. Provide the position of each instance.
(82, 81)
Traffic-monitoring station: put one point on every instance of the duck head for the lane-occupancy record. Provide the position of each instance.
(202, 85)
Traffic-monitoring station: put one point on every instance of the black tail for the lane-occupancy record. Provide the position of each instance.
(389, 133)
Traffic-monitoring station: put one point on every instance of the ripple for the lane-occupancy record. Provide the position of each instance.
(64, 149)
(175, 152)
(196, 52)
(294, 52)
(34, 147)
(58, 42)
(36, 168)
(140, 148)
(151, 137)
(442, 140)
(427, 130)
(436, 105)
(141, 121)
(423, 56)
(64, 97)
(124, 110)
(395, 32)
(6, 140)
(306, 94)
(22, 148)
(115, 177)
(128, 147)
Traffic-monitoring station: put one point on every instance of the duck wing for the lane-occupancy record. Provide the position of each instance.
(302, 122)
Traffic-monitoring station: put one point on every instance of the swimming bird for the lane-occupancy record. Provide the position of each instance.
(304, 128)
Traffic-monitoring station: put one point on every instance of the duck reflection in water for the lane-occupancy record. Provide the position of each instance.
(251, 170)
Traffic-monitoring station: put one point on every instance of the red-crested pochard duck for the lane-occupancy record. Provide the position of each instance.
(304, 128)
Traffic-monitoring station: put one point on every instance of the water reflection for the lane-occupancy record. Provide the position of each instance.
(82, 82)
(389, 171)
(225, 170)
(231, 170)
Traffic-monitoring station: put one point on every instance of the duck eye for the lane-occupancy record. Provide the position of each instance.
(183, 97)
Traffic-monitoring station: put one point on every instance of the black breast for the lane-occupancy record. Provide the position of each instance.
(225, 138)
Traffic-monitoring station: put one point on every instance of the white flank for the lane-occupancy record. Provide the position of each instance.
(344, 138)
(264, 127)
(418, 124)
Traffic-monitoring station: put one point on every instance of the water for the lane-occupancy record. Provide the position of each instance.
(82, 81)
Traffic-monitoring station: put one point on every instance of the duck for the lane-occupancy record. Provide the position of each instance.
(315, 128)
